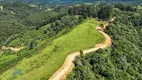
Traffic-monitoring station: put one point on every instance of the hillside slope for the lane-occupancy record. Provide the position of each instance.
(83, 36)
(68, 64)
(122, 61)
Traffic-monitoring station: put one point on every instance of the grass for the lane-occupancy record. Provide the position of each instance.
(1, 8)
(51, 58)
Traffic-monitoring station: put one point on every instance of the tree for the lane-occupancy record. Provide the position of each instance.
(80, 18)
(102, 26)
(45, 31)
(81, 53)
(105, 12)
(85, 15)
(31, 45)
(37, 27)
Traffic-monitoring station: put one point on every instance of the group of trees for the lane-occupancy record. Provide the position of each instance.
(85, 10)
(105, 12)
(122, 61)
(126, 7)
(136, 19)
(12, 19)
(43, 18)
(9, 28)
(66, 22)
(101, 11)
(18, 17)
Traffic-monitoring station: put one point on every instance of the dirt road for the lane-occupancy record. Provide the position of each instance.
(12, 48)
(68, 64)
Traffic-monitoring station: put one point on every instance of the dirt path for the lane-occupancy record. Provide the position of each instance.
(68, 64)
(12, 48)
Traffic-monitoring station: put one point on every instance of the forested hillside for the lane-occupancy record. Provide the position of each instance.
(18, 17)
(48, 35)
(123, 60)
(12, 19)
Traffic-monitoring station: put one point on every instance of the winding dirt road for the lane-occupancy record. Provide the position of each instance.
(69, 62)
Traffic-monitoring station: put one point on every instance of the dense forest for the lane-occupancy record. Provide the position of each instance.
(19, 21)
(123, 60)
(12, 19)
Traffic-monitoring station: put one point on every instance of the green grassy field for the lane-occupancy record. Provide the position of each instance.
(51, 58)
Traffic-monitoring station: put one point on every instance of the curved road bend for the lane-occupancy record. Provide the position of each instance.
(68, 64)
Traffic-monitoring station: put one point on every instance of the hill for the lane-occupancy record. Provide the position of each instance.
(123, 60)
(47, 35)
(12, 20)
(81, 37)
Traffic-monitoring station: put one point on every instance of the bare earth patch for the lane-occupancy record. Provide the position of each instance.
(12, 48)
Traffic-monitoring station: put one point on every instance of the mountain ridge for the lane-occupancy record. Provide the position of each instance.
(40, 2)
